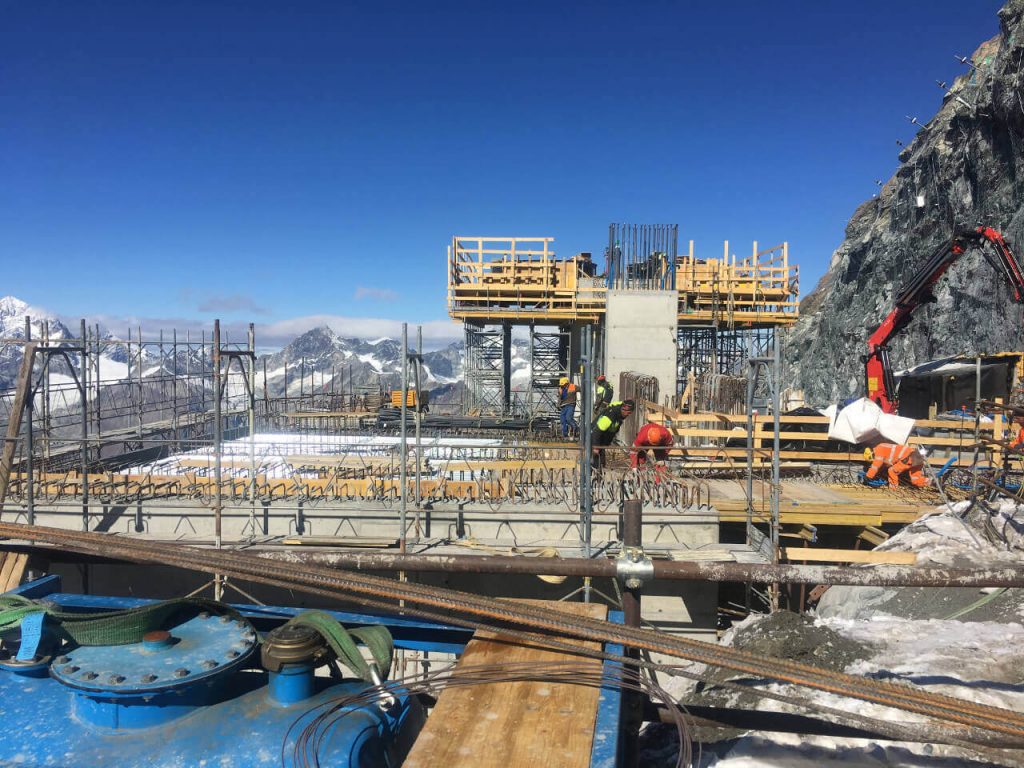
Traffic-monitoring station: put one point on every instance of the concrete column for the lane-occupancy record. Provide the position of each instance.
(640, 335)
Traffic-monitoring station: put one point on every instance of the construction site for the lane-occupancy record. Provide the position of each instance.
(295, 474)
(182, 475)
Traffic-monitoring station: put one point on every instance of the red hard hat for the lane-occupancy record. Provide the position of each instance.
(601, 378)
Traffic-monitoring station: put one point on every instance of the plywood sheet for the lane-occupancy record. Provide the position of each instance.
(12, 568)
(512, 725)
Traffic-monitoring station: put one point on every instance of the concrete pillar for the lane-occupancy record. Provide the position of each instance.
(640, 335)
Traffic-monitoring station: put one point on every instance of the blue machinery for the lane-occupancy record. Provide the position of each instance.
(236, 689)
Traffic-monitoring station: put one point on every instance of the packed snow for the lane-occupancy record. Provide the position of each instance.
(274, 452)
(968, 650)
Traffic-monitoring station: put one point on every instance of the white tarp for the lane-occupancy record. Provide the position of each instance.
(863, 422)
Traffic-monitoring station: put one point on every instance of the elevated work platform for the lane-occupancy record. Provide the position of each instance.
(520, 280)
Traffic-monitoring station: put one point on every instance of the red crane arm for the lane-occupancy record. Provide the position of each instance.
(881, 385)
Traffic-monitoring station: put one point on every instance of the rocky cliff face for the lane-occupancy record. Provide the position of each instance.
(966, 167)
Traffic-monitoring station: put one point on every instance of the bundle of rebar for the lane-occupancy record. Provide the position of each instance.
(956, 719)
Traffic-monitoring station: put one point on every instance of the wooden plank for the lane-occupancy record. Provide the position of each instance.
(363, 542)
(741, 419)
(813, 554)
(6, 566)
(14, 425)
(737, 433)
(328, 414)
(828, 456)
(12, 570)
(512, 725)
(512, 465)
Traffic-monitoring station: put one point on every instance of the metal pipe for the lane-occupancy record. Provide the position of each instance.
(586, 438)
(252, 424)
(776, 469)
(403, 452)
(174, 387)
(45, 402)
(30, 434)
(668, 570)
(142, 394)
(632, 540)
(85, 428)
(419, 418)
(218, 437)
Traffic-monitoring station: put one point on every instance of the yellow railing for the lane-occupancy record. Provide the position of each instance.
(520, 278)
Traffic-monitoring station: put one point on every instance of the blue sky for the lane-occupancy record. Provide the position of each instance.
(169, 162)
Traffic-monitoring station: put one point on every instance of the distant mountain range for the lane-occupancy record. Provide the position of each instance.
(320, 359)
(317, 360)
(113, 360)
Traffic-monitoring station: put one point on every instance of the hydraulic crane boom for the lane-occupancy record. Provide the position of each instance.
(880, 382)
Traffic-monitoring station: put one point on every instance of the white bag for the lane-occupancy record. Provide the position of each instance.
(856, 423)
(862, 421)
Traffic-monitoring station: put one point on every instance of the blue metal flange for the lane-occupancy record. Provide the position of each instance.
(164, 677)
(199, 649)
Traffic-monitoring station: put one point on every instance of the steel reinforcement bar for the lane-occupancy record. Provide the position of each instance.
(375, 590)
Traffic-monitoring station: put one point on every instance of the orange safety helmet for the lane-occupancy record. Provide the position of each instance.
(660, 433)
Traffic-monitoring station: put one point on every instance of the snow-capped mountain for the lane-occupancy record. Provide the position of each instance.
(13, 312)
(318, 360)
(321, 356)
(113, 359)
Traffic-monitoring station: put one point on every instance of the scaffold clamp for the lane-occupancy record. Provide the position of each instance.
(633, 567)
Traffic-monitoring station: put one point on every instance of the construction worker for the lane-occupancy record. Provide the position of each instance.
(899, 459)
(567, 407)
(658, 439)
(603, 394)
(1017, 443)
(606, 426)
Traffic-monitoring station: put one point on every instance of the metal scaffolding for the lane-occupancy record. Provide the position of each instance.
(488, 368)
(704, 350)
(549, 361)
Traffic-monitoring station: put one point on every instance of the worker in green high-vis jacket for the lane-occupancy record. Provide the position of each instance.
(603, 394)
(606, 426)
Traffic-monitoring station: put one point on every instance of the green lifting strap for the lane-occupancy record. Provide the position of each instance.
(106, 627)
(129, 626)
(376, 638)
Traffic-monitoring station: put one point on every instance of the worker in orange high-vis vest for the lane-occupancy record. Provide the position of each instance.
(899, 459)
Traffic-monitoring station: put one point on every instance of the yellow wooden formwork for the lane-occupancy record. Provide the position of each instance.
(491, 279)
(721, 437)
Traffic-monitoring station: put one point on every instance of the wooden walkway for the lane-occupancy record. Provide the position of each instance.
(512, 725)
